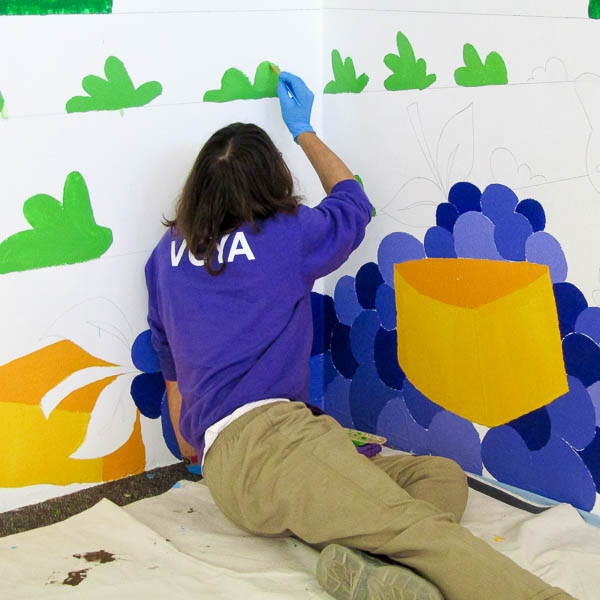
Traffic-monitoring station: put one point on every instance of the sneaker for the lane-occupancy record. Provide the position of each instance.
(349, 574)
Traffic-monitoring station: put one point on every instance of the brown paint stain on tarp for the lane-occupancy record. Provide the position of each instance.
(75, 577)
(100, 556)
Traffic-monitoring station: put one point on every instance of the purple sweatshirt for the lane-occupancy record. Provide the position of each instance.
(246, 335)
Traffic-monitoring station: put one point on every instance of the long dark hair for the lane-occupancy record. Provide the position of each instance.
(239, 177)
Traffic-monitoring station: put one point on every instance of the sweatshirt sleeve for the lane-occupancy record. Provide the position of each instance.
(158, 336)
(334, 228)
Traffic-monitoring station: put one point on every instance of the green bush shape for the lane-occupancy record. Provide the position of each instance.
(594, 9)
(344, 76)
(61, 233)
(47, 7)
(1, 105)
(116, 92)
(236, 86)
(409, 73)
(358, 178)
(475, 73)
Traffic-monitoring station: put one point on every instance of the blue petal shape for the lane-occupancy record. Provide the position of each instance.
(510, 234)
(556, 471)
(143, 354)
(474, 237)
(324, 320)
(573, 416)
(570, 302)
(439, 243)
(446, 215)
(498, 202)
(543, 249)
(337, 401)
(147, 391)
(362, 336)
(591, 458)
(386, 359)
(534, 212)
(588, 323)
(322, 372)
(385, 303)
(465, 196)
(368, 396)
(534, 428)
(420, 406)
(341, 352)
(368, 279)
(346, 302)
(167, 428)
(582, 358)
(396, 248)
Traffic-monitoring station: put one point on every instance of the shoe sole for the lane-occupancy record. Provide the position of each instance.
(347, 574)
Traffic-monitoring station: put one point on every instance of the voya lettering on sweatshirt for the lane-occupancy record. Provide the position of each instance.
(239, 247)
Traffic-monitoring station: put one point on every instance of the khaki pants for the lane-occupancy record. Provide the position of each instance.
(279, 470)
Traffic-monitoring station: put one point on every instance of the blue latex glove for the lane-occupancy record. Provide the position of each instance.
(295, 111)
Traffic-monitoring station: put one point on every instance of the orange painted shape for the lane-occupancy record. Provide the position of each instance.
(25, 380)
(129, 459)
(84, 398)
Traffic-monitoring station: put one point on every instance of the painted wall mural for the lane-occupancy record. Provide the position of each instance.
(397, 356)
(236, 86)
(344, 76)
(48, 7)
(478, 73)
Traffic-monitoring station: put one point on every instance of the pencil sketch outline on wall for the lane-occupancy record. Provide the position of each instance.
(554, 70)
(587, 88)
(506, 169)
(454, 159)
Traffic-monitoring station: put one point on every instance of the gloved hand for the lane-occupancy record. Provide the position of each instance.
(295, 111)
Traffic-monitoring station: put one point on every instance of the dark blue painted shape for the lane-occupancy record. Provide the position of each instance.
(534, 212)
(534, 428)
(368, 396)
(465, 196)
(385, 303)
(324, 320)
(341, 352)
(569, 303)
(582, 358)
(386, 359)
(167, 428)
(591, 458)
(368, 279)
(439, 243)
(420, 406)
(143, 354)
(446, 215)
(362, 336)
(147, 390)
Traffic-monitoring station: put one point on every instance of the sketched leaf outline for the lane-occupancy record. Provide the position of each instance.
(396, 206)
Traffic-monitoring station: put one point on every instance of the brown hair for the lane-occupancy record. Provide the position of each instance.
(239, 177)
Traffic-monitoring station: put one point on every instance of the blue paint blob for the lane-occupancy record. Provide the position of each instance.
(420, 406)
(465, 196)
(510, 234)
(322, 373)
(543, 249)
(143, 354)
(346, 302)
(368, 396)
(396, 248)
(588, 323)
(570, 302)
(368, 280)
(337, 401)
(324, 320)
(385, 303)
(582, 358)
(534, 428)
(591, 458)
(362, 336)
(386, 359)
(446, 215)
(167, 428)
(439, 243)
(147, 390)
(498, 202)
(534, 212)
(474, 237)
(341, 352)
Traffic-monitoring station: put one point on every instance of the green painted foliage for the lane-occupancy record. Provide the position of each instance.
(113, 93)
(409, 73)
(594, 9)
(236, 86)
(358, 178)
(1, 102)
(475, 73)
(48, 7)
(60, 234)
(344, 76)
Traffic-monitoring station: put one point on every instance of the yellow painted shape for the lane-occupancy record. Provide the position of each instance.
(26, 379)
(129, 459)
(480, 337)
